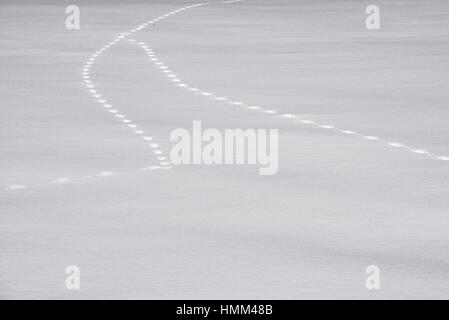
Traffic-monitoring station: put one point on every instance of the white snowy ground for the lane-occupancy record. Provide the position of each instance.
(338, 203)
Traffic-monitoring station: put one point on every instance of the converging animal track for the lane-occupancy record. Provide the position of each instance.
(113, 111)
(163, 162)
(90, 85)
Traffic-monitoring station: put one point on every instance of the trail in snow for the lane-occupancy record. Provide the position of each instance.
(90, 85)
(176, 80)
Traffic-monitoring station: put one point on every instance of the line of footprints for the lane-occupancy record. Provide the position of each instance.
(162, 159)
(177, 81)
(164, 164)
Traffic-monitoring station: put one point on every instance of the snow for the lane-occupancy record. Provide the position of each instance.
(80, 187)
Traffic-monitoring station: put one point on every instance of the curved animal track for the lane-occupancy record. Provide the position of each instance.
(154, 145)
(177, 81)
(90, 85)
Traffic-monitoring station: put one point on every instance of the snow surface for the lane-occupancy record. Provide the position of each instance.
(71, 195)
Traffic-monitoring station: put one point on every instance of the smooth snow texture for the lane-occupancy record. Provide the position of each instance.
(363, 166)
